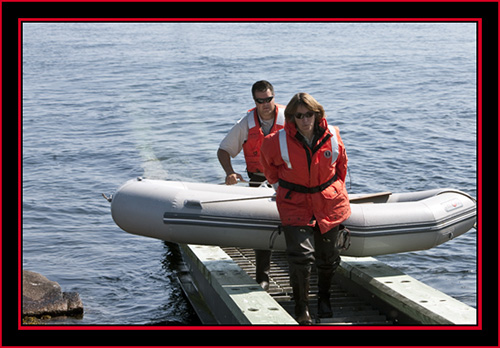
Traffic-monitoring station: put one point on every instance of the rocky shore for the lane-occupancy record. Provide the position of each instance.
(43, 298)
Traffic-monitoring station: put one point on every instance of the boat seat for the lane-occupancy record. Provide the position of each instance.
(379, 197)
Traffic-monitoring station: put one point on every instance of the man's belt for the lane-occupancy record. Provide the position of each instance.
(303, 189)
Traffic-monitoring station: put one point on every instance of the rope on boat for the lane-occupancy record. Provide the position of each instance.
(109, 199)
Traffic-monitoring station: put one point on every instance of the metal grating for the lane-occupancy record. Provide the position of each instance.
(348, 309)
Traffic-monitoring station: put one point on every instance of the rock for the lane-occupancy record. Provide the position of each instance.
(42, 296)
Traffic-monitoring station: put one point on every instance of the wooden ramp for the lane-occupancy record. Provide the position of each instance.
(348, 309)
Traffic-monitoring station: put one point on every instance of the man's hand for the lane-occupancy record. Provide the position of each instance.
(233, 178)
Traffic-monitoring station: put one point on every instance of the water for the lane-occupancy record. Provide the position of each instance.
(107, 102)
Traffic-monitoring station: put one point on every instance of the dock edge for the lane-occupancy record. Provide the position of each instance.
(402, 294)
(233, 297)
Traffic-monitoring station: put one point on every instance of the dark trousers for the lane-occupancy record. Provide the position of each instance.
(305, 245)
(262, 257)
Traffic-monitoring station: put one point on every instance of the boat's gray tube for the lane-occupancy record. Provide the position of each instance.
(165, 210)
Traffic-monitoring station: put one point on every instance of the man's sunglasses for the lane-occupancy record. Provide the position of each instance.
(308, 114)
(264, 100)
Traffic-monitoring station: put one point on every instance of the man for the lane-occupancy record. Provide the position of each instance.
(247, 135)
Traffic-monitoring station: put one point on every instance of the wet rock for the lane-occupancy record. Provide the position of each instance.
(42, 296)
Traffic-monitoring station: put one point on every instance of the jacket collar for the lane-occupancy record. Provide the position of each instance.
(322, 127)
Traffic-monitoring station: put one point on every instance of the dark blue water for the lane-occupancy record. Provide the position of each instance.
(107, 102)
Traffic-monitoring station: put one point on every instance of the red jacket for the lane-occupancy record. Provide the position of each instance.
(251, 148)
(309, 169)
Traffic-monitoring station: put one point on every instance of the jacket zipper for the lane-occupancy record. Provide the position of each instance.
(310, 152)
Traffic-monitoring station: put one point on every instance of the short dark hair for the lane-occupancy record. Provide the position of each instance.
(262, 86)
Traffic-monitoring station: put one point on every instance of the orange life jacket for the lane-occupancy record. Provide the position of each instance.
(251, 147)
(312, 181)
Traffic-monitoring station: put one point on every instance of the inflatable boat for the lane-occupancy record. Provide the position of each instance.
(210, 214)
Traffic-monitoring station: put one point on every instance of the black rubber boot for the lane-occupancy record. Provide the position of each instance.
(299, 279)
(327, 260)
(300, 258)
(262, 267)
(324, 284)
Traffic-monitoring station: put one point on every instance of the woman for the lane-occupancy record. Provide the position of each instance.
(308, 160)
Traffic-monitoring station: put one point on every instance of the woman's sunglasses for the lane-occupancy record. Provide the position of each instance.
(308, 114)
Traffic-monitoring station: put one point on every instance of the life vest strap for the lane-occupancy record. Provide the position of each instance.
(303, 189)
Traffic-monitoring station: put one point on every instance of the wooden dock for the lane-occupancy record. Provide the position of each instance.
(220, 284)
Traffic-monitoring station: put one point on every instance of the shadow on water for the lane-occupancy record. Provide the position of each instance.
(177, 310)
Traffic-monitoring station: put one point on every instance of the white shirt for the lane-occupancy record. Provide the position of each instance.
(234, 140)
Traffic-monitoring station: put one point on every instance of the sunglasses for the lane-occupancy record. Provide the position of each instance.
(264, 100)
(308, 114)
